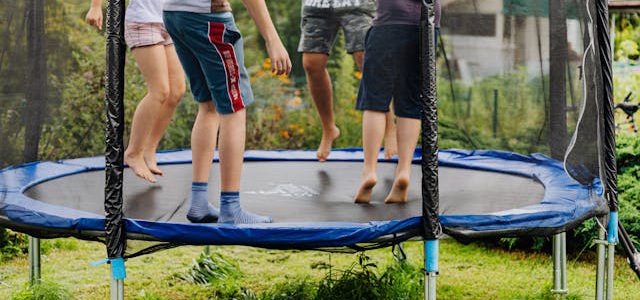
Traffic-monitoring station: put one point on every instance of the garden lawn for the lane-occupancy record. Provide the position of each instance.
(468, 272)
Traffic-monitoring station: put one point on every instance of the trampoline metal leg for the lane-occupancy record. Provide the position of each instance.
(117, 289)
(560, 265)
(430, 286)
(610, 269)
(600, 271)
(34, 261)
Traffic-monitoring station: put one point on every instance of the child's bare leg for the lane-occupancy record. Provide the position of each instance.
(373, 124)
(203, 141)
(390, 141)
(232, 143)
(390, 137)
(319, 81)
(408, 134)
(203, 144)
(177, 88)
(153, 65)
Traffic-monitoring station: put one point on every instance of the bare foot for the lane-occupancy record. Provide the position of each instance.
(390, 144)
(399, 192)
(366, 189)
(152, 163)
(139, 167)
(327, 143)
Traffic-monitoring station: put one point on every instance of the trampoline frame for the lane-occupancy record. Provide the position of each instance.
(565, 204)
(116, 235)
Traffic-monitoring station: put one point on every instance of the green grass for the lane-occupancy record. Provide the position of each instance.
(467, 272)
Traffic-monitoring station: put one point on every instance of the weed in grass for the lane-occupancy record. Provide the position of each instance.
(361, 280)
(278, 258)
(320, 265)
(219, 274)
(144, 295)
(212, 268)
(303, 289)
(546, 294)
(42, 291)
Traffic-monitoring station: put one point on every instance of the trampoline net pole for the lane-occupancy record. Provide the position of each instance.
(114, 154)
(430, 191)
(608, 151)
(608, 139)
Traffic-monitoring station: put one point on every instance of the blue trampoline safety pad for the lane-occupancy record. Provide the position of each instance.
(564, 204)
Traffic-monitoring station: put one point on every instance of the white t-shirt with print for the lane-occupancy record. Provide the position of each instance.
(145, 11)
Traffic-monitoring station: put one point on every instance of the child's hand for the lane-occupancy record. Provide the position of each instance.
(94, 17)
(280, 61)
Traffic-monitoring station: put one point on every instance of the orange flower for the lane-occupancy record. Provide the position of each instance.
(358, 75)
(266, 64)
(284, 79)
(296, 128)
(285, 134)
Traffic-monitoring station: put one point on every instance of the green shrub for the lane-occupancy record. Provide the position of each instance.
(42, 291)
(12, 244)
(628, 151)
(68, 244)
(362, 280)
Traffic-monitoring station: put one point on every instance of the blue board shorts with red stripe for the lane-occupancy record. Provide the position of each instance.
(210, 49)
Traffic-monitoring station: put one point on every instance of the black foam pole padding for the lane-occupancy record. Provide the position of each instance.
(428, 97)
(609, 130)
(114, 154)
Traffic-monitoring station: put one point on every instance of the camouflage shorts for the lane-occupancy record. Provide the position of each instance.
(322, 19)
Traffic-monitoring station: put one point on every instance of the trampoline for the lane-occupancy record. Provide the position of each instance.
(483, 194)
(525, 76)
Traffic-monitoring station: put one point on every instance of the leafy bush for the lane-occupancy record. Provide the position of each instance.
(627, 35)
(628, 155)
(44, 290)
(11, 244)
(628, 151)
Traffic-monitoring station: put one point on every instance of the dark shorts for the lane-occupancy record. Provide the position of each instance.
(320, 26)
(211, 51)
(391, 71)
